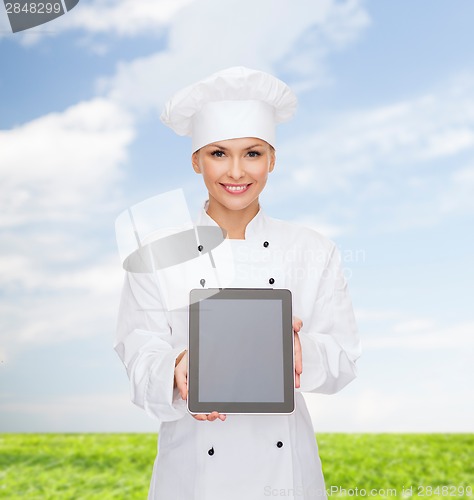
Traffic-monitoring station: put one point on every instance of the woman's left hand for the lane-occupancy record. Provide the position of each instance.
(297, 324)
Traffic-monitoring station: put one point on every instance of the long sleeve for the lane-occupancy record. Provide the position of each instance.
(148, 349)
(329, 340)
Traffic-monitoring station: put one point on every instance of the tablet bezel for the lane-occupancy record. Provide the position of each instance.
(197, 297)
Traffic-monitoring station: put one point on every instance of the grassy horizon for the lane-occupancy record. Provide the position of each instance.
(97, 466)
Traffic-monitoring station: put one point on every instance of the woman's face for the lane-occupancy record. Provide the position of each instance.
(235, 171)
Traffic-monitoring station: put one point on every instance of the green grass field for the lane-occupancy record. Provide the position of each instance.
(103, 466)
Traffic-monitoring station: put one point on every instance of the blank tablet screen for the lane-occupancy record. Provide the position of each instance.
(240, 352)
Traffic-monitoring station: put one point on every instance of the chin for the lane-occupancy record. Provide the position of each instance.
(236, 206)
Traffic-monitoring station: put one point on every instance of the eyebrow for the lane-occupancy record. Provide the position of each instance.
(227, 149)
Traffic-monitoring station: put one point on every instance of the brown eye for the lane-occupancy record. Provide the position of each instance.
(253, 154)
(218, 153)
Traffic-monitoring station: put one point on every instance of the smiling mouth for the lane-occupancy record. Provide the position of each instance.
(236, 188)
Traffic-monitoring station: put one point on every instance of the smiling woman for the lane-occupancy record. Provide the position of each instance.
(235, 172)
(231, 117)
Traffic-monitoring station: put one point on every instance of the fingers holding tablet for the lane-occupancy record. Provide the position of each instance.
(181, 382)
(298, 359)
(210, 416)
(181, 374)
(297, 325)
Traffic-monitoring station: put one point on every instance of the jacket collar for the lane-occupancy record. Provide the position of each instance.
(254, 227)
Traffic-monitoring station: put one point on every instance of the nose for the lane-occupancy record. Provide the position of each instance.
(236, 169)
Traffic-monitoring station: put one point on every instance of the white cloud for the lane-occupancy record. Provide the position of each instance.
(457, 197)
(58, 180)
(316, 223)
(72, 413)
(51, 167)
(367, 315)
(414, 326)
(17, 270)
(345, 411)
(124, 18)
(458, 336)
(368, 409)
(391, 329)
(408, 163)
(59, 305)
(268, 35)
(413, 132)
(258, 32)
(413, 374)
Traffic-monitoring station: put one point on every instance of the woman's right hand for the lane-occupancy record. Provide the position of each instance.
(181, 382)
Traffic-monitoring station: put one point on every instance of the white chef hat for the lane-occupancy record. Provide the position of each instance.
(232, 103)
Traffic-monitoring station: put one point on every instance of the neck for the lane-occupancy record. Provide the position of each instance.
(233, 222)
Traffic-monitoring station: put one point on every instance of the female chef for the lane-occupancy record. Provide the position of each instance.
(231, 117)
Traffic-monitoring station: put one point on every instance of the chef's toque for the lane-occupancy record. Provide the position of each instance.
(232, 103)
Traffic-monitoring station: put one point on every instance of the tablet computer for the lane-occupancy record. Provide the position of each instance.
(240, 357)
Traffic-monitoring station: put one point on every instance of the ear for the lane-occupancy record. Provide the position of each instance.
(195, 162)
(272, 160)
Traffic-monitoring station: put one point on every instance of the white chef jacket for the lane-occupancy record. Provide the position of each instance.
(246, 456)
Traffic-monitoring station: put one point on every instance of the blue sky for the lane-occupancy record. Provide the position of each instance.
(380, 157)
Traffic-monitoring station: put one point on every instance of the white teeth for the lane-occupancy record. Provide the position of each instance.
(236, 188)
